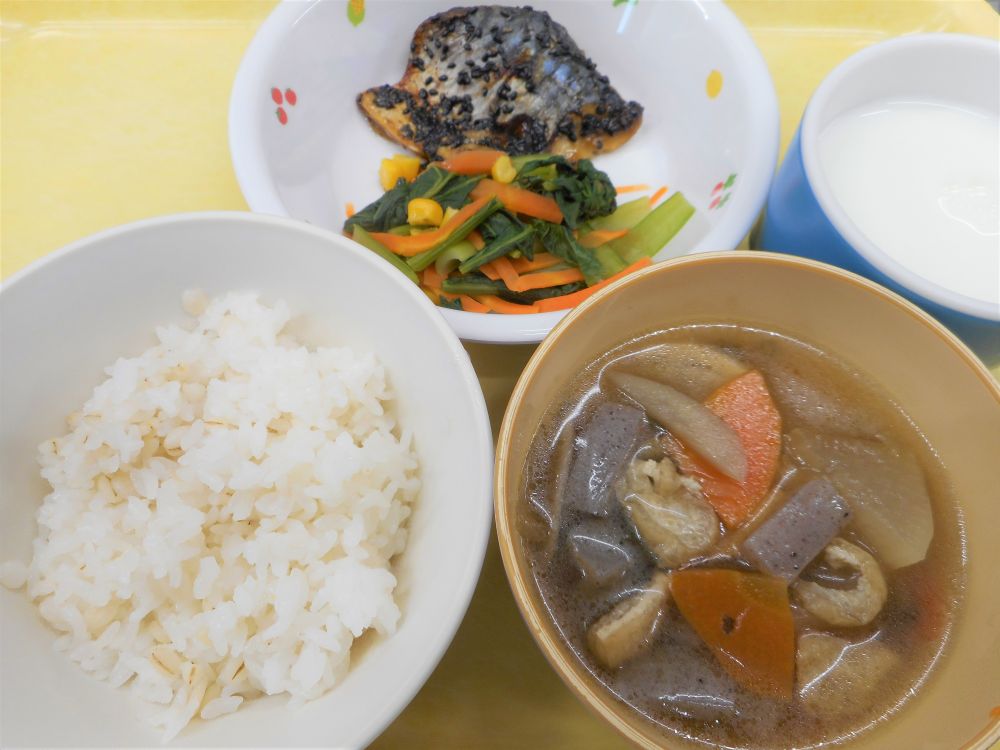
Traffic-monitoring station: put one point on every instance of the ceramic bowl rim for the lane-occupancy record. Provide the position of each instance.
(592, 696)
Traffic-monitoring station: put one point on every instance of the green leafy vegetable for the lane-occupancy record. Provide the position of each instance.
(559, 240)
(585, 195)
(503, 234)
(389, 211)
(502, 224)
(448, 189)
(582, 191)
(586, 199)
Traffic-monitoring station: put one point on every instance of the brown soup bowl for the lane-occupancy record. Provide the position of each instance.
(931, 374)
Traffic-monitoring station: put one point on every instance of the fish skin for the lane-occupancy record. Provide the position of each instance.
(500, 77)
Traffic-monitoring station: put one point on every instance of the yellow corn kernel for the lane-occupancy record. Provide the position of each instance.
(400, 165)
(389, 174)
(503, 170)
(424, 212)
(448, 214)
(409, 166)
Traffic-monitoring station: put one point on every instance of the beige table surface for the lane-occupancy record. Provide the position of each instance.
(116, 111)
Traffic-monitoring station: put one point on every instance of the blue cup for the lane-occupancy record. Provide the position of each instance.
(803, 217)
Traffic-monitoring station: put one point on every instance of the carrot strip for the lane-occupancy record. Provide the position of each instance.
(657, 195)
(630, 188)
(435, 294)
(600, 236)
(430, 277)
(349, 209)
(471, 305)
(475, 161)
(519, 200)
(545, 279)
(540, 263)
(498, 305)
(503, 267)
(746, 406)
(490, 271)
(507, 273)
(476, 239)
(415, 244)
(566, 301)
(468, 304)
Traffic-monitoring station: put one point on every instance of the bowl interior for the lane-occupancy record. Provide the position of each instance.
(937, 381)
(77, 312)
(719, 150)
(949, 69)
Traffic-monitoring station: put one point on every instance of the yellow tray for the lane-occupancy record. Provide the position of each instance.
(115, 111)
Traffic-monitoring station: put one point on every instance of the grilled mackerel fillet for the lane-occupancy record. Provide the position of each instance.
(500, 77)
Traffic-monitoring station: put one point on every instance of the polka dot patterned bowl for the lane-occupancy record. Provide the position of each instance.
(301, 148)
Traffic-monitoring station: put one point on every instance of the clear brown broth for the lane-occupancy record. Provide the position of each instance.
(846, 402)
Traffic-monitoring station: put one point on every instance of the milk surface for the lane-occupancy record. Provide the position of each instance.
(920, 180)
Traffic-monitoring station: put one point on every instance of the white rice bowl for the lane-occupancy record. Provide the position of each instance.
(223, 516)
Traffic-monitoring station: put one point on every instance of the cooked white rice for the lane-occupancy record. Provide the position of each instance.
(223, 515)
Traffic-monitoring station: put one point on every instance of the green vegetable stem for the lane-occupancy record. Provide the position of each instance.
(503, 234)
(424, 259)
(651, 234)
(362, 237)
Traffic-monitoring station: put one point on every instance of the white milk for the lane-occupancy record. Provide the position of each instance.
(920, 180)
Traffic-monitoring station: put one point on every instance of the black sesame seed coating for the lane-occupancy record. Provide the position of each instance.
(534, 85)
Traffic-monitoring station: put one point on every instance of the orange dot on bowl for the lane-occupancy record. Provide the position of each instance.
(713, 84)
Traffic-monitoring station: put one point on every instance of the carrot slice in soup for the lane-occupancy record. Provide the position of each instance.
(746, 620)
(746, 406)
